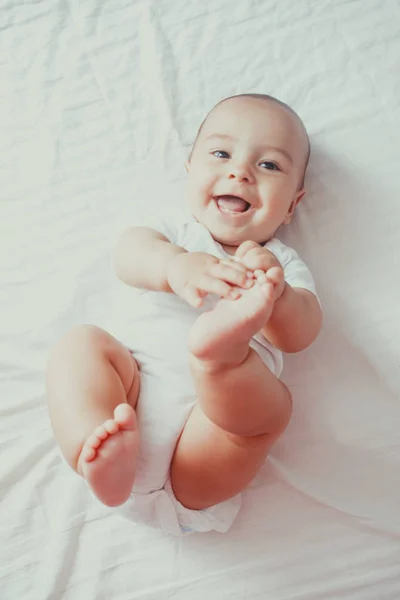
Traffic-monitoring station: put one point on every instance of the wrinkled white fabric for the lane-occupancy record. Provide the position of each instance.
(98, 100)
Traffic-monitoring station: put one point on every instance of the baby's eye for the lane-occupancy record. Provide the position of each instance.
(221, 154)
(269, 165)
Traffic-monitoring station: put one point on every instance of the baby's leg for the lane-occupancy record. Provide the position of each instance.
(93, 386)
(242, 407)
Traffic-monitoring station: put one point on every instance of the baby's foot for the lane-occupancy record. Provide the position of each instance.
(222, 335)
(108, 457)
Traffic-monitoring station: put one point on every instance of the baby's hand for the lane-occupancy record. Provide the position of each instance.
(263, 263)
(193, 275)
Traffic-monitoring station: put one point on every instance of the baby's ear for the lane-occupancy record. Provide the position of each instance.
(299, 196)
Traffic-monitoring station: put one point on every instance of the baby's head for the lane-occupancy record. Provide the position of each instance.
(246, 169)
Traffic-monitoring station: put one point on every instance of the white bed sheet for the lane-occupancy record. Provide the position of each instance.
(98, 100)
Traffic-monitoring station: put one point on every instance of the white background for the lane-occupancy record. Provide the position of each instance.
(99, 103)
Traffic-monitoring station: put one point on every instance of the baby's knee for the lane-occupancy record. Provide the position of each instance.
(79, 337)
(84, 335)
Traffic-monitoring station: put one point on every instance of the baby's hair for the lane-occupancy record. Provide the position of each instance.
(267, 98)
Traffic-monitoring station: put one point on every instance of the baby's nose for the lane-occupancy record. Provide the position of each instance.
(241, 172)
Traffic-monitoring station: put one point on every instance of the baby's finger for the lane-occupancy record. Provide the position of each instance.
(229, 274)
(241, 267)
(234, 293)
(260, 258)
(275, 275)
(244, 248)
(262, 278)
(193, 296)
(212, 285)
(236, 264)
(255, 258)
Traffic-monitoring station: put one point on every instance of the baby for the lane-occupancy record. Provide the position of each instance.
(235, 298)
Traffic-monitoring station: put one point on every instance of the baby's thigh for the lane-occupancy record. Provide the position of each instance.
(89, 374)
(87, 349)
(211, 465)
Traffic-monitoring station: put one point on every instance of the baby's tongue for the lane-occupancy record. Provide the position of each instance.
(231, 204)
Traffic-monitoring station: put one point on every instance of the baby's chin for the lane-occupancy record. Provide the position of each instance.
(226, 239)
(230, 237)
(233, 240)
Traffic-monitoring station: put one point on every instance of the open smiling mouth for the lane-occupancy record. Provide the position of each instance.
(231, 205)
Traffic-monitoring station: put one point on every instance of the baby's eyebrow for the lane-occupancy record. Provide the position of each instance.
(281, 151)
(220, 136)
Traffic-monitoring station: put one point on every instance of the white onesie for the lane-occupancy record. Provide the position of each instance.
(155, 327)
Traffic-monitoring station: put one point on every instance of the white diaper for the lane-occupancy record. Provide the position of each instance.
(160, 509)
(162, 412)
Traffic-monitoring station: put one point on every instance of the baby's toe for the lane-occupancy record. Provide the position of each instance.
(125, 417)
(88, 453)
(111, 426)
(101, 432)
(267, 289)
(93, 441)
(275, 274)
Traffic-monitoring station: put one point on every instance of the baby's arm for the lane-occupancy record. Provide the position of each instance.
(297, 317)
(141, 258)
(144, 258)
(295, 321)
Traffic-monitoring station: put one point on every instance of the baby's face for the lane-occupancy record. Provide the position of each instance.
(246, 169)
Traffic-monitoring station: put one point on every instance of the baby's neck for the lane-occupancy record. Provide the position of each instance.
(229, 249)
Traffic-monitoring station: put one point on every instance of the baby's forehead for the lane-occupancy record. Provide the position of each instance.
(267, 118)
(237, 112)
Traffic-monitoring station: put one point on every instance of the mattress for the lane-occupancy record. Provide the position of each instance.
(99, 104)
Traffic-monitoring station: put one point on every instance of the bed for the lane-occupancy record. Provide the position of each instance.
(99, 104)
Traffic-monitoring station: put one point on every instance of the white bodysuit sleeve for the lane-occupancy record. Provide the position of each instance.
(297, 274)
(166, 224)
